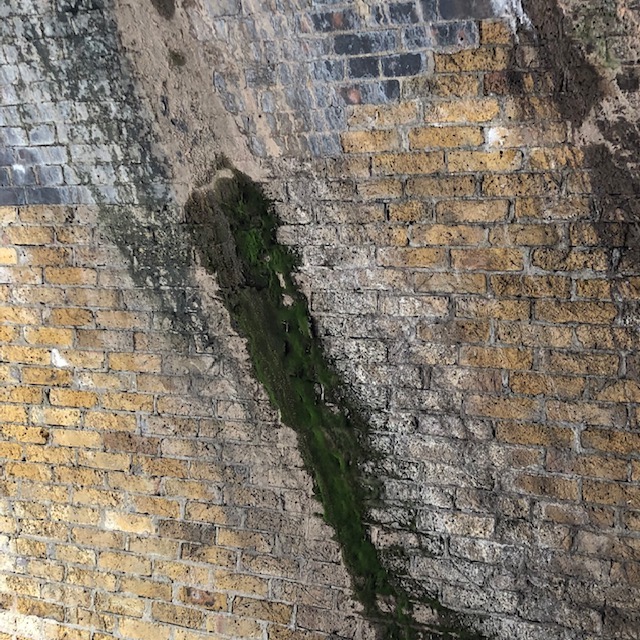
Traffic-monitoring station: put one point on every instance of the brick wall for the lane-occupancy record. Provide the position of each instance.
(470, 268)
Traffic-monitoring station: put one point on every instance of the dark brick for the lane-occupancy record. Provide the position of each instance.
(46, 195)
(12, 196)
(406, 64)
(5, 177)
(328, 70)
(334, 21)
(455, 34)
(364, 67)
(363, 43)
(429, 10)
(403, 13)
(465, 9)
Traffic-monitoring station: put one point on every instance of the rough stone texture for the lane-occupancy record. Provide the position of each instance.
(471, 266)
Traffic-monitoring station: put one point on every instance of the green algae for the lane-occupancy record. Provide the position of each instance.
(234, 230)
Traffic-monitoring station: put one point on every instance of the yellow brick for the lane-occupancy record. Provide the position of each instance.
(487, 259)
(533, 384)
(520, 184)
(110, 421)
(496, 357)
(203, 512)
(531, 286)
(537, 435)
(85, 297)
(262, 610)
(69, 398)
(450, 282)
(611, 493)
(549, 486)
(472, 211)
(383, 188)
(8, 256)
(128, 523)
(174, 614)
(498, 309)
(235, 627)
(525, 235)
(137, 630)
(579, 312)
(135, 362)
(72, 438)
(370, 141)
(374, 116)
(620, 391)
(55, 416)
(206, 599)
(438, 234)
(449, 186)
(75, 514)
(522, 136)
(408, 163)
(88, 536)
(29, 607)
(28, 471)
(509, 408)
(127, 401)
(555, 158)
(10, 451)
(406, 257)
(13, 413)
(128, 563)
(21, 395)
(453, 85)
(481, 59)
(495, 32)
(28, 235)
(587, 465)
(121, 605)
(102, 460)
(146, 588)
(83, 359)
(9, 334)
(32, 435)
(570, 260)
(33, 548)
(47, 336)
(19, 315)
(70, 276)
(156, 506)
(463, 110)
(71, 317)
(600, 289)
(8, 215)
(410, 211)
(26, 355)
(98, 380)
(122, 319)
(619, 442)
(47, 256)
(49, 455)
(602, 364)
(445, 137)
(503, 160)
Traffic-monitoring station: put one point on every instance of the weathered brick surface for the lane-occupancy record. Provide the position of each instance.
(456, 272)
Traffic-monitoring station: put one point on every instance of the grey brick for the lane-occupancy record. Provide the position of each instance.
(12, 196)
(328, 70)
(10, 117)
(13, 137)
(46, 195)
(455, 35)
(260, 76)
(406, 64)
(465, 9)
(345, 20)
(222, 8)
(8, 74)
(49, 175)
(7, 157)
(364, 43)
(417, 38)
(5, 177)
(42, 135)
(429, 10)
(23, 176)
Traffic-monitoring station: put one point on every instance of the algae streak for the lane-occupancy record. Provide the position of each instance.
(234, 231)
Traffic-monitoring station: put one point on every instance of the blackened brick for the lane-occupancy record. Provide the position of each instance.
(406, 64)
(455, 34)
(379, 92)
(465, 9)
(364, 67)
(363, 43)
(334, 21)
(5, 177)
(46, 195)
(417, 38)
(403, 13)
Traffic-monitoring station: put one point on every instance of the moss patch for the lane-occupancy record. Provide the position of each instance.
(234, 231)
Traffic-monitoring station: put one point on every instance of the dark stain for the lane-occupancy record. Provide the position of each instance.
(166, 8)
(577, 87)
